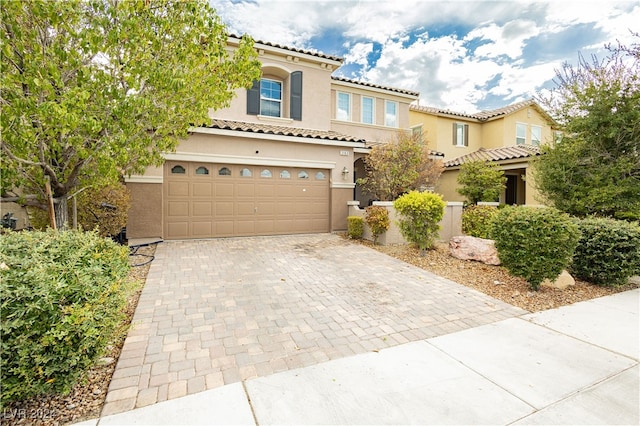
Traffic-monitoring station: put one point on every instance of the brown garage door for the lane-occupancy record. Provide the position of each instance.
(203, 200)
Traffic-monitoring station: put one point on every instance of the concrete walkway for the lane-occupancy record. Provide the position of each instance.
(218, 312)
(573, 365)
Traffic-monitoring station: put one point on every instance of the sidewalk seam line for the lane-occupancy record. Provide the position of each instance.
(246, 393)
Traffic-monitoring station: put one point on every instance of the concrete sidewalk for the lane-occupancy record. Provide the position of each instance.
(573, 365)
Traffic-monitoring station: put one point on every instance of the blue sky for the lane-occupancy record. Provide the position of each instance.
(467, 56)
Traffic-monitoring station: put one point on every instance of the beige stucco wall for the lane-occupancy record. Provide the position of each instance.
(145, 214)
(438, 132)
(502, 132)
(376, 132)
(447, 185)
(316, 93)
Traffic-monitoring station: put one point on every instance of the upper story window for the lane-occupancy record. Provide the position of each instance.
(536, 135)
(368, 112)
(460, 134)
(390, 114)
(521, 133)
(416, 131)
(343, 107)
(270, 97)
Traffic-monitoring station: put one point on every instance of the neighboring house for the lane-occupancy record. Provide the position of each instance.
(508, 136)
(281, 159)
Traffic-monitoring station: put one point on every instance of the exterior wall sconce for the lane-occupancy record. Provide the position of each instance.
(345, 173)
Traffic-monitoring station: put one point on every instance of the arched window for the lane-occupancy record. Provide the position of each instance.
(320, 176)
(245, 172)
(178, 170)
(266, 173)
(284, 174)
(303, 175)
(202, 171)
(224, 171)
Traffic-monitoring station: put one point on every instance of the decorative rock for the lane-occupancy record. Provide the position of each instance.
(635, 280)
(563, 281)
(106, 361)
(472, 248)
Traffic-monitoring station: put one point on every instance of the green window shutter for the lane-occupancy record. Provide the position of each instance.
(253, 99)
(455, 133)
(296, 95)
(466, 135)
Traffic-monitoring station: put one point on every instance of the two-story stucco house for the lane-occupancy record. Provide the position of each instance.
(508, 136)
(279, 160)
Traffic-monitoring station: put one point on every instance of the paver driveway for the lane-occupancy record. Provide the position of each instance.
(220, 311)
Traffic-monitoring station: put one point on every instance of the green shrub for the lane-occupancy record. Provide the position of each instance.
(476, 220)
(63, 297)
(534, 243)
(377, 217)
(355, 227)
(420, 214)
(608, 251)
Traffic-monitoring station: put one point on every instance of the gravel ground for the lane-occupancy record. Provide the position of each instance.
(495, 280)
(85, 400)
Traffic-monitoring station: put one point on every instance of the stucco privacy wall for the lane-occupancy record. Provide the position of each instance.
(450, 225)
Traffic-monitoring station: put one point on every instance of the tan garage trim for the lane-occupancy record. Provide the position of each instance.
(204, 200)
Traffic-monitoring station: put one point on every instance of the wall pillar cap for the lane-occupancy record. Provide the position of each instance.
(383, 203)
(353, 203)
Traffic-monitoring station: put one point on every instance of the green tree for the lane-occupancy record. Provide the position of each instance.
(96, 89)
(595, 169)
(480, 181)
(398, 166)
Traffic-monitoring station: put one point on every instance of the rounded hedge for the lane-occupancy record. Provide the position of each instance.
(534, 243)
(608, 251)
(62, 302)
(476, 220)
(355, 227)
(420, 214)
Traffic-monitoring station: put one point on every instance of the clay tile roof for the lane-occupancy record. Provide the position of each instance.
(485, 115)
(496, 154)
(482, 115)
(362, 83)
(433, 110)
(293, 49)
(242, 126)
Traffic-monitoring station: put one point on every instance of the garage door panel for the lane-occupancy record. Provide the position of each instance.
(244, 227)
(177, 189)
(203, 208)
(178, 209)
(246, 190)
(224, 190)
(178, 230)
(202, 189)
(224, 208)
(224, 228)
(245, 208)
(201, 228)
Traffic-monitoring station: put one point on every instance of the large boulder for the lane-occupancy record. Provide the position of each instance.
(563, 281)
(473, 248)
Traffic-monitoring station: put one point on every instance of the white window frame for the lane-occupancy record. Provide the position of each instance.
(373, 110)
(523, 128)
(536, 140)
(391, 121)
(279, 101)
(340, 116)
